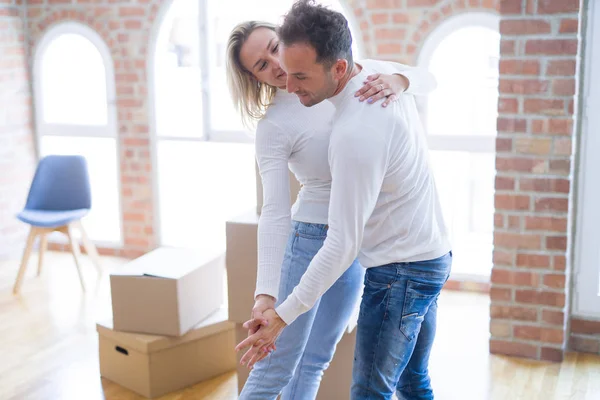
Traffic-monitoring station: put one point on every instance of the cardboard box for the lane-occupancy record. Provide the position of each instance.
(153, 365)
(337, 379)
(167, 291)
(241, 261)
(294, 189)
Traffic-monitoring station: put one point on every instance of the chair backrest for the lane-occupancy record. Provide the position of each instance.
(60, 183)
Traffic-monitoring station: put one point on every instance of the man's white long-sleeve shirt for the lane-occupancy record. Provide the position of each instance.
(384, 205)
(292, 135)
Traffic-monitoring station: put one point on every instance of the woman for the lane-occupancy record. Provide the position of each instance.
(291, 135)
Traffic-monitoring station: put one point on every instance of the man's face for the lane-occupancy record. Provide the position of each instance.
(312, 82)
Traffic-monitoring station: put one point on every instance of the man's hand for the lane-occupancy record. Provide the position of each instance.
(378, 86)
(262, 341)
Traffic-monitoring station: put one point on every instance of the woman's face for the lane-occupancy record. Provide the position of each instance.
(260, 55)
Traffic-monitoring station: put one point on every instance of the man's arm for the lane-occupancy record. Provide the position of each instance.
(358, 165)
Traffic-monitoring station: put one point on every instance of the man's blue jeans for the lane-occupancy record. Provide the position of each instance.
(396, 329)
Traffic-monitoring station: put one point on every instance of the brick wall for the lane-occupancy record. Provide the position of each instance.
(17, 155)
(530, 278)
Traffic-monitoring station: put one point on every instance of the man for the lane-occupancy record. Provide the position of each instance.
(383, 208)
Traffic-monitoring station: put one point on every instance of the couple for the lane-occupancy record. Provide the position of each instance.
(368, 199)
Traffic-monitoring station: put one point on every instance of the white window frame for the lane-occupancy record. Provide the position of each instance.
(586, 299)
(470, 143)
(72, 130)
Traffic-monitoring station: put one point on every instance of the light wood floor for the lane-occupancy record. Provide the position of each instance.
(48, 347)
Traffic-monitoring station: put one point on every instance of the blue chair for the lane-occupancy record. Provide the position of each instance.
(59, 197)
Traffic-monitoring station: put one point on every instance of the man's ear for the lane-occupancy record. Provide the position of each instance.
(340, 68)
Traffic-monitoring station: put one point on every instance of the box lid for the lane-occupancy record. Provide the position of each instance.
(167, 262)
(215, 323)
(250, 217)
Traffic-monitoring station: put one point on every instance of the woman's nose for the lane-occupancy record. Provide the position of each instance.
(275, 63)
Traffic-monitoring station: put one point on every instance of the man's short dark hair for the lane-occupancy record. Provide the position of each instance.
(325, 30)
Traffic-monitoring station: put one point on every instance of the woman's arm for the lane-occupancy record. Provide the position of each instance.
(273, 150)
(420, 80)
(392, 80)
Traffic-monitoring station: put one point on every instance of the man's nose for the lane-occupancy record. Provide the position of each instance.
(290, 86)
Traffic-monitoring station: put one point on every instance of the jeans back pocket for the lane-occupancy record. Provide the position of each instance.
(418, 298)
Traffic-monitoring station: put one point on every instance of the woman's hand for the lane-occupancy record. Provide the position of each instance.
(378, 86)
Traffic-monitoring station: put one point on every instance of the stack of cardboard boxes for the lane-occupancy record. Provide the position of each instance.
(241, 260)
(169, 328)
(172, 326)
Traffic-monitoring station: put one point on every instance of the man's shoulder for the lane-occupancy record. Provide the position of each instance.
(371, 64)
(366, 122)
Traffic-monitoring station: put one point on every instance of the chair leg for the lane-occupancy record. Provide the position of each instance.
(76, 252)
(43, 248)
(26, 253)
(90, 248)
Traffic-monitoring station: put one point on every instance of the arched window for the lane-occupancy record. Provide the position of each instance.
(205, 157)
(75, 114)
(460, 118)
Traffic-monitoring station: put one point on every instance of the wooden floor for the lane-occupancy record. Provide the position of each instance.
(48, 347)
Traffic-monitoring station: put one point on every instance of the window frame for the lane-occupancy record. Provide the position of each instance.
(471, 143)
(586, 254)
(108, 131)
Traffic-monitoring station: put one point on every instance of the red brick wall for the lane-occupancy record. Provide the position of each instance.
(530, 279)
(17, 155)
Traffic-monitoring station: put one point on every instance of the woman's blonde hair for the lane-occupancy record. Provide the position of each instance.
(250, 97)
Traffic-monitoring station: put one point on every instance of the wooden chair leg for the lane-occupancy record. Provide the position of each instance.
(76, 252)
(89, 247)
(43, 248)
(26, 253)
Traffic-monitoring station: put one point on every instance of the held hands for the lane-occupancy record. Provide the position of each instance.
(263, 303)
(262, 341)
(378, 86)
